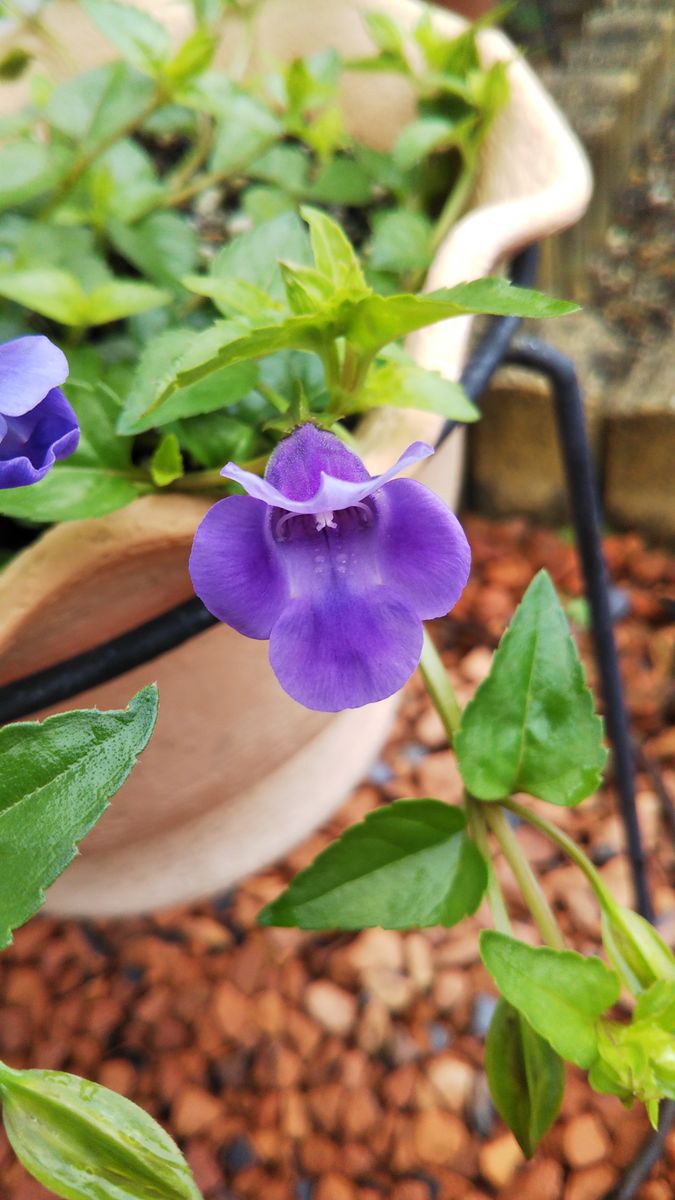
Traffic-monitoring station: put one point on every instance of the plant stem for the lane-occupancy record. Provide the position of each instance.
(455, 203)
(439, 687)
(569, 847)
(525, 877)
(83, 163)
(495, 898)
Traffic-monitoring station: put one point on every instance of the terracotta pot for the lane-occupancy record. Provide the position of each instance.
(236, 772)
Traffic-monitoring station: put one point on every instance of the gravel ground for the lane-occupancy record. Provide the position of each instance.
(349, 1067)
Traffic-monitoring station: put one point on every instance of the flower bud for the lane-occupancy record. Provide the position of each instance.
(635, 949)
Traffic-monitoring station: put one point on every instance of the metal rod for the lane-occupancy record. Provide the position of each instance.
(102, 663)
(559, 370)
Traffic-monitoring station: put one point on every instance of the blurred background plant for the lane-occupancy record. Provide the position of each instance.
(130, 194)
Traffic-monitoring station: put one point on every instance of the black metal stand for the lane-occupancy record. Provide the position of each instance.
(580, 476)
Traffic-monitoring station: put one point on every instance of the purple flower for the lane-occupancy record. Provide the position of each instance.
(336, 567)
(37, 424)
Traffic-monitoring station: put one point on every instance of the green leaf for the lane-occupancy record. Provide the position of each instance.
(387, 36)
(561, 993)
(184, 375)
(423, 137)
(122, 298)
(97, 409)
(403, 385)
(69, 493)
(334, 255)
(140, 39)
(253, 258)
(243, 132)
(57, 294)
(285, 166)
(84, 1142)
(58, 777)
(378, 320)
(94, 107)
(193, 57)
(123, 183)
(340, 181)
(213, 439)
(28, 170)
(163, 246)
(531, 726)
(407, 865)
(401, 241)
(157, 371)
(49, 291)
(526, 1077)
(167, 461)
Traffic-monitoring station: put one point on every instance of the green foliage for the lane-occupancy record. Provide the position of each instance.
(167, 461)
(406, 865)
(84, 1142)
(635, 949)
(526, 1076)
(559, 992)
(141, 40)
(58, 777)
(531, 726)
(404, 385)
(142, 200)
(637, 1060)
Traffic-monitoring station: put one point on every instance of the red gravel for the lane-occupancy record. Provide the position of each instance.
(339, 1067)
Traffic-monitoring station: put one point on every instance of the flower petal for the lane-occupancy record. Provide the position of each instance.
(342, 649)
(423, 552)
(332, 493)
(29, 368)
(235, 568)
(298, 462)
(32, 443)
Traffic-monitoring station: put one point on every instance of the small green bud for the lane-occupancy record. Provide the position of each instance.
(635, 949)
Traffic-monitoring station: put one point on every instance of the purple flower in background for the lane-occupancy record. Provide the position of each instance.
(336, 567)
(37, 424)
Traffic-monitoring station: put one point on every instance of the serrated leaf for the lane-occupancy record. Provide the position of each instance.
(253, 258)
(58, 777)
(158, 373)
(334, 255)
(526, 1076)
(70, 493)
(140, 39)
(531, 726)
(403, 385)
(84, 1142)
(160, 391)
(379, 320)
(561, 993)
(407, 865)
